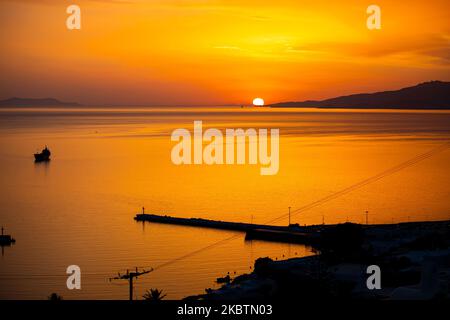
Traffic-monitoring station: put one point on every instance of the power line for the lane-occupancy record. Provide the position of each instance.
(330, 197)
(196, 251)
(367, 181)
(309, 206)
(6, 276)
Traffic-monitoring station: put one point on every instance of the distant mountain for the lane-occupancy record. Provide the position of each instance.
(427, 95)
(27, 102)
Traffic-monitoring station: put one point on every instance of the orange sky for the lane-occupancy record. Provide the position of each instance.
(218, 51)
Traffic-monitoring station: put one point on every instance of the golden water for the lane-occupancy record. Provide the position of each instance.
(109, 162)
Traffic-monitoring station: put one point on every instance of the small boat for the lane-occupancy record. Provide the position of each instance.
(43, 156)
(6, 239)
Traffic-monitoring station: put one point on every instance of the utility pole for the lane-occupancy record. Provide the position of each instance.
(289, 217)
(367, 217)
(130, 276)
(3, 250)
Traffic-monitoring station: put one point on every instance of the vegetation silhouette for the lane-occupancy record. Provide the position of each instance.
(154, 295)
(55, 297)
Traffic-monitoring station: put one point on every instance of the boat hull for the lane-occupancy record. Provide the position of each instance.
(39, 157)
(6, 240)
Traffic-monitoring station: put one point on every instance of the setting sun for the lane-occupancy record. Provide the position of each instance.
(130, 148)
(258, 102)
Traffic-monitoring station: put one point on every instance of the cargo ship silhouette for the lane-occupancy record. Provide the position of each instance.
(6, 239)
(43, 156)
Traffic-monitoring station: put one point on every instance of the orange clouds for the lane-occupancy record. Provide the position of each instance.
(207, 52)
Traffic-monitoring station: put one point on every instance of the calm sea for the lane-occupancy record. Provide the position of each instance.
(109, 162)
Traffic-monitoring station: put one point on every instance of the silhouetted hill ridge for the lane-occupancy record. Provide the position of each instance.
(31, 102)
(427, 95)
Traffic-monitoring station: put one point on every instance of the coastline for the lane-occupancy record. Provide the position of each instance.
(414, 259)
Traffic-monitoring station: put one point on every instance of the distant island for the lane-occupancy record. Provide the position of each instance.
(29, 102)
(427, 95)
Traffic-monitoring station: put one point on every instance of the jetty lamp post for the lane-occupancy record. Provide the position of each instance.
(289, 224)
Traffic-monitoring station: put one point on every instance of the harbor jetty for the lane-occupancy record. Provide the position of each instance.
(292, 233)
(283, 236)
(206, 223)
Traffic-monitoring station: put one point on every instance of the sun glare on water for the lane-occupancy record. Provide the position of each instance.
(258, 102)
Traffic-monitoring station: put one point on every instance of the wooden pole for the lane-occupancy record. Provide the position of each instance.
(131, 288)
(130, 276)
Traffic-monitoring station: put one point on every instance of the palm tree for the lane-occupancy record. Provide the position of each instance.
(153, 295)
(54, 297)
